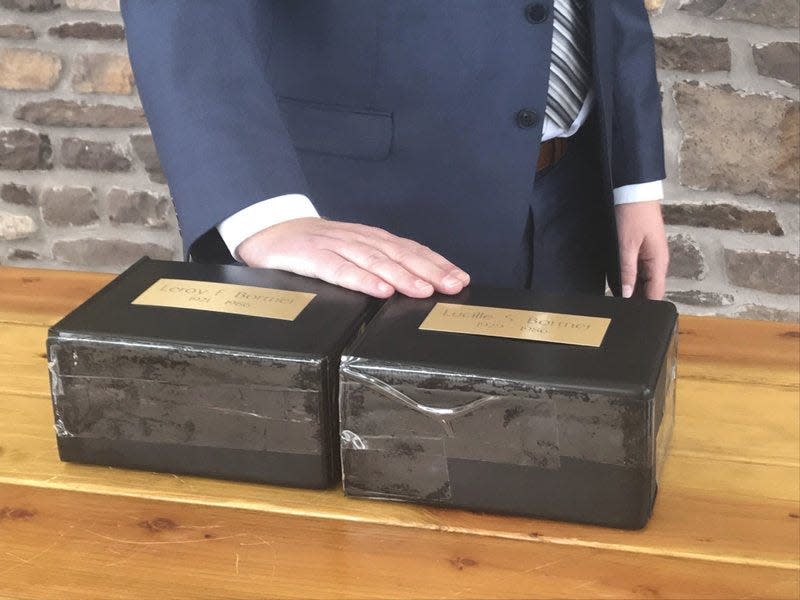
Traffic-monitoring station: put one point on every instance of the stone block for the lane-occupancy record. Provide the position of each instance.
(16, 227)
(23, 150)
(145, 149)
(700, 298)
(779, 60)
(66, 206)
(775, 13)
(16, 32)
(95, 156)
(89, 30)
(113, 254)
(66, 113)
(722, 216)
(31, 5)
(694, 53)
(739, 142)
(103, 5)
(773, 272)
(18, 254)
(686, 260)
(102, 73)
(21, 195)
(760, 312)
(25, 69)
(138, 208)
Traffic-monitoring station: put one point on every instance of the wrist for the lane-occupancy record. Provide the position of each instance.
(640, 204)
(635, 193)
(256, 217)
(248, 249)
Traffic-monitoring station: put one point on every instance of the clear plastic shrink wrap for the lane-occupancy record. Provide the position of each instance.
(519, 426)
(176, 367)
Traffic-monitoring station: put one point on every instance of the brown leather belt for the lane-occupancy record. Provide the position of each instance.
(551, 152)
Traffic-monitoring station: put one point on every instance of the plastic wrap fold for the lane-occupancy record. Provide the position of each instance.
(173, 394)
(402, 428)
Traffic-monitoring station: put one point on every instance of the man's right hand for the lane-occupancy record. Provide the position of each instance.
(357, 257)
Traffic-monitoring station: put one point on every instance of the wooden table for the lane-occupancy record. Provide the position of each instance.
(725, 525)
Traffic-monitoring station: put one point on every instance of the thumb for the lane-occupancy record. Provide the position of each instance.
(628, 259)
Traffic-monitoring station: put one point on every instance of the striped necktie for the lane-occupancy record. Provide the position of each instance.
(569, 64)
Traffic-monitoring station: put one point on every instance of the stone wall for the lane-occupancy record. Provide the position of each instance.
(730, 71)
(81, 188)
(80, 185)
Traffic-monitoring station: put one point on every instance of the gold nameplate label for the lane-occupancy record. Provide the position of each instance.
(517, 324)
(226, 298)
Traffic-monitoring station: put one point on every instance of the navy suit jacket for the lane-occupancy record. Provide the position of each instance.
(396, 113)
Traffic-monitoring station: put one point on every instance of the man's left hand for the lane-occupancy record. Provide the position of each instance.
(643, 250)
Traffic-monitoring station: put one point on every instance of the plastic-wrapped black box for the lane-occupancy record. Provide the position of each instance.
(216, 370)
(491, 423)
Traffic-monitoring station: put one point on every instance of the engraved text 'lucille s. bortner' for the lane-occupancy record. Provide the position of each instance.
(518, 324)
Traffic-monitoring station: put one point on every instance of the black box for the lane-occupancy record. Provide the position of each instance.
(534, 428)
(176, 382)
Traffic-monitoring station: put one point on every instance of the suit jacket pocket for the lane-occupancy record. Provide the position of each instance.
(337, 130)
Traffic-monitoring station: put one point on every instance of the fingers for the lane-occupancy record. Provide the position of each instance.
(411, 258)
(376, 262)
(427, 264)
(655, 288)
(357, 257)
(644, 253)
(338, 270)
(644, 270)
(329, 266)
(655, 268)
(628, 260)
(444, 278)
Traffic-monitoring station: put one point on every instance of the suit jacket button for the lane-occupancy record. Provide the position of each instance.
(527, 118)
(536, 13)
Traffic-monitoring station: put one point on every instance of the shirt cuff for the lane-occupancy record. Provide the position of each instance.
(241, 225)
(639, 192)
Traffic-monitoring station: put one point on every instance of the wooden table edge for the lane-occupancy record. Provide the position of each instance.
(277, 509)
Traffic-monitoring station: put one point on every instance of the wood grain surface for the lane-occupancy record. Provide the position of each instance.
(114, 547)
(42, 296)
(726, 522)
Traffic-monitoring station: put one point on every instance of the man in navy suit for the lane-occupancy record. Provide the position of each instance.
(519, 140)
